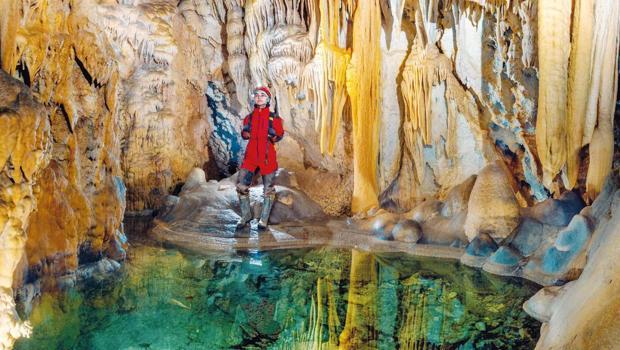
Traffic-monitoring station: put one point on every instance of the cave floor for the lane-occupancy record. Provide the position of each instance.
(200, 238)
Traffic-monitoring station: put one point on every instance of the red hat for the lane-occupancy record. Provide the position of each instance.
(264, 89)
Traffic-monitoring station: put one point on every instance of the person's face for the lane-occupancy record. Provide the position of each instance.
(260, 98)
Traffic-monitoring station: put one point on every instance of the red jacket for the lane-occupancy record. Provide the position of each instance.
(260, 151)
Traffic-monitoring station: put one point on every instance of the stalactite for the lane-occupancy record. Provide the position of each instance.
(237, 59)
(603, 94)
(8, 35)
(578, 86)
(424, 68)
(419, 75)
(554, 49)
(326, 77)
(363, 85)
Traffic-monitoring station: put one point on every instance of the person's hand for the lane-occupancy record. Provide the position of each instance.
(245, 135)
(271, 132)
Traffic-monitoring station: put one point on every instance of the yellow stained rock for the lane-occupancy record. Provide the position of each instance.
(603, 94)
(363, 86)
(578, 86)
(554, 18)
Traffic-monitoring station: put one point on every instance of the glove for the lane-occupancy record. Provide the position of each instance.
(271, 132)
(245, 133)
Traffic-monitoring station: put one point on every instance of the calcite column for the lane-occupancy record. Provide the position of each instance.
(363, 85)
(603, 94)
(554, 19)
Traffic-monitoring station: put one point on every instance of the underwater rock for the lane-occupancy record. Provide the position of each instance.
(492, 206)
(556, 212)
(98, 270)
(407, 231)
(27, 295)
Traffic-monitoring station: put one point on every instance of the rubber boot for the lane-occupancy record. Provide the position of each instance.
(265, 211)
(246, 211)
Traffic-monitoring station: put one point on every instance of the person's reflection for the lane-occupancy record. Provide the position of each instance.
(359, 331)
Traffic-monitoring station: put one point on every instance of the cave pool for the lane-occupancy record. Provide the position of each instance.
(323, 298)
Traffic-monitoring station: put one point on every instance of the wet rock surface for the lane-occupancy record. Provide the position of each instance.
(492, 206)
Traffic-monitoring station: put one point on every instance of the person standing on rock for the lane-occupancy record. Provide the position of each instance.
(263, 129)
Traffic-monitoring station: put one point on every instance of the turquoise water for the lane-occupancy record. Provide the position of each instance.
(303, 299)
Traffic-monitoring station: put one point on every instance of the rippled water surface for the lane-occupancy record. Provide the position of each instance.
(302, 299)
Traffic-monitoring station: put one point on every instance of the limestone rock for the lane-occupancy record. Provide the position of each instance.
(478, 250)
(213, 207)
(505, 261)
(381, 224)
(195, 178)
(569, 243)
(540, 306)
(117, 250)
(425, 211)
(457, 199)
(294, 205)
(444, 231)
(492, 206)
(25, 151)
(528, 236)
(556, 212)
(407, 231)
(584, 314)
(11, 328)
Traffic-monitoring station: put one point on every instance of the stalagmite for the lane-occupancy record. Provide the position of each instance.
(553, 53)
(363, 85)
(603, 95)
(578, 86)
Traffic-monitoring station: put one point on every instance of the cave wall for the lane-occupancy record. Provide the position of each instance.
(25, 136)
(133, 94)
(140, 92)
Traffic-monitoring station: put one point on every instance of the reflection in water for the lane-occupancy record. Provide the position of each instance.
(304, 299)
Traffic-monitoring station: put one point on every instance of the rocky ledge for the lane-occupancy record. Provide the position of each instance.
(478, 222)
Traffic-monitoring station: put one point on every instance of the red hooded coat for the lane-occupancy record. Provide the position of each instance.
(260, 151)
